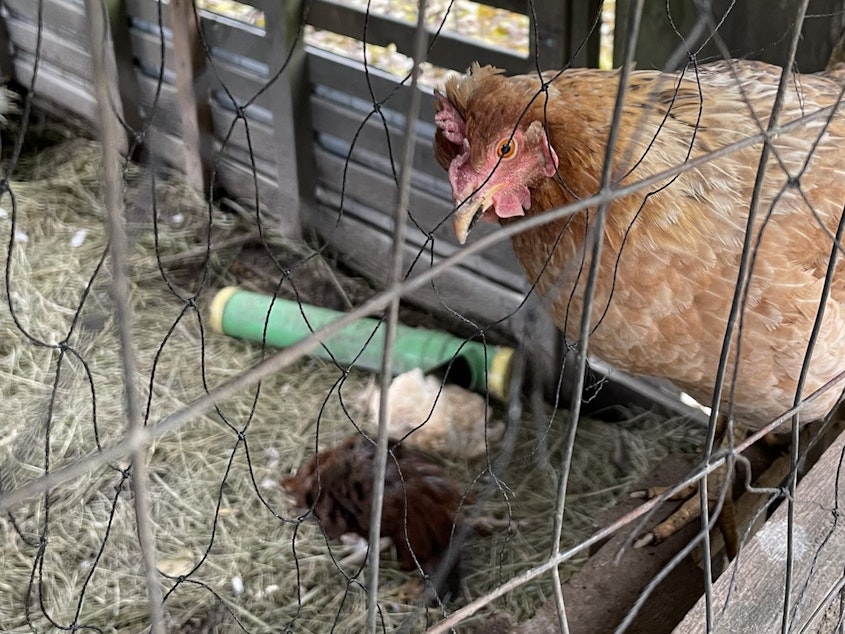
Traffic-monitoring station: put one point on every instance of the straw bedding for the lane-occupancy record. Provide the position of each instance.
(231, 554)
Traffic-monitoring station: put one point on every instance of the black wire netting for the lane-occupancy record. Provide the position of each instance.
(681, 224)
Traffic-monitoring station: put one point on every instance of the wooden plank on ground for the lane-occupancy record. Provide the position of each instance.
(601, 593)
(749, 596)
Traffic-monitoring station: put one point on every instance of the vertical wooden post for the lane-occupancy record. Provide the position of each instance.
(7, 70)
(103, 68)
(563, 27)
(550, 38)
(193, 94)
(292, 128)
(124, 63)
(582, 17)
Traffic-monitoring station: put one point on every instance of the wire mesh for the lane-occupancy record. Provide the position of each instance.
(190, 484)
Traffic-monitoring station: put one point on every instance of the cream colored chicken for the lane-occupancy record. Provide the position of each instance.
(441, 418)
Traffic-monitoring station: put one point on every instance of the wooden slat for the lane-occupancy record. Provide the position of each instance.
(241, 82)
(260, 135)
(346, 77)
(367, 250)
(57, 50)
(69, 91)
(449, 51)
(379, 164)
(343, 123)
(166, 117)
(60, 16)
(377, 191)
(236, 38)
(748, 597)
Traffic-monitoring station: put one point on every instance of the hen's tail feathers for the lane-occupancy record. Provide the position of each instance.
(837, 56)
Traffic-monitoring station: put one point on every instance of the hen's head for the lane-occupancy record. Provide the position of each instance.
(491, 139)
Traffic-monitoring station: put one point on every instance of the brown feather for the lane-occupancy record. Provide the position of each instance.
(420, 511)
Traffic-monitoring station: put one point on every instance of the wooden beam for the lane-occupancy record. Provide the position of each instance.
(599, 595)
(449, 50)
(749, 596)
(124, 61)
(193, 94)
(6, 59)
(292, 129)
(102, 71)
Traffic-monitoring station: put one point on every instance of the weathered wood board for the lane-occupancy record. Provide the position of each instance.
(749, 596)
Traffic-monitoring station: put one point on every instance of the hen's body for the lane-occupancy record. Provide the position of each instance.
(671, 252)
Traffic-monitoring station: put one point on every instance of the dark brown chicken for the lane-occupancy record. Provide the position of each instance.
(671, 252)
(421, 508)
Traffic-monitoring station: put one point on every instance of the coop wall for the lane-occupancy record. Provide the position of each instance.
(312, 182)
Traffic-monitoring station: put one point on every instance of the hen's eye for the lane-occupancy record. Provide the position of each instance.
(507, 148)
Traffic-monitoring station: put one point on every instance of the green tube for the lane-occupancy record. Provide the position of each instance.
(242, 314)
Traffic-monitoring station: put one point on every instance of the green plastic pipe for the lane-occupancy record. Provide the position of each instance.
(242, 314)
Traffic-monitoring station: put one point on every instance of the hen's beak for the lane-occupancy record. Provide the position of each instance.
(472, 209)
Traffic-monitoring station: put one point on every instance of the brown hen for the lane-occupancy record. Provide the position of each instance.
(520, 146)
(420, 511)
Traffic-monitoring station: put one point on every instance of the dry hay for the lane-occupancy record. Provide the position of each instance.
(235, 556)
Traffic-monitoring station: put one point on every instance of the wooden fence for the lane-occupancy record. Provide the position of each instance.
(210, 96)
(292, 134)
(300, 125)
